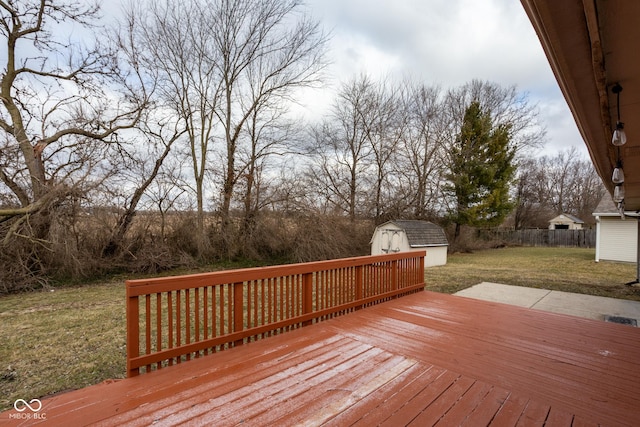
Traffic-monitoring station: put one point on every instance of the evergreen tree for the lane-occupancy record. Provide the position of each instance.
(480, 171)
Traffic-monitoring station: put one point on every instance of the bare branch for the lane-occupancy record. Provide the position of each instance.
(13, 186)
(34, 207)
(6, 127)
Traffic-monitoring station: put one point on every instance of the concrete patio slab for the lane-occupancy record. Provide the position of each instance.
(588, 306)
(513, 295)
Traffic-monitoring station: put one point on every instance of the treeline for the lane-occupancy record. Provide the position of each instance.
(547, 186)
(173, 139)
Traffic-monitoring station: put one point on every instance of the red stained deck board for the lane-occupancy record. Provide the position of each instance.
(324, 408)
(467, 403)
(385, 400)
(485, 412)
(444, 404)
(406, 413)
(577, 371)
(559, 418)
(241, 385)
(425, 358)
(324, 383)
(510, 411)
(152, 393)
(535, 414)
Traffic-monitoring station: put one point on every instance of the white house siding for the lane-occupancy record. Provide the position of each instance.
(617, 239)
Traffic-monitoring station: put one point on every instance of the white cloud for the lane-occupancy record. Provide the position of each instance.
(447, 43)
(562, 132)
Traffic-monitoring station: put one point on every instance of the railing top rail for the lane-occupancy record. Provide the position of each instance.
(164, 284)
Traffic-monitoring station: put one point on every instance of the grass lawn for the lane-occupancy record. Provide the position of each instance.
(61, 340)
(70, 338)
(560, 269)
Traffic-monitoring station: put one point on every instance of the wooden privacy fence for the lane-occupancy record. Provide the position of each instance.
(172, 319)
(585, 238)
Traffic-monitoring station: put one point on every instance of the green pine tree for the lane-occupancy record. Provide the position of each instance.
(481, 170)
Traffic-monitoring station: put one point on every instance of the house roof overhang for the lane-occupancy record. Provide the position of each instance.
(591, 45)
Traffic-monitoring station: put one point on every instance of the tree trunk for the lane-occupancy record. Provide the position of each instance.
(115, 243)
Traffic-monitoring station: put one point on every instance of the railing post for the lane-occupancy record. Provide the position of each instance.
(133, 334)
(307, 295)
(238, 309)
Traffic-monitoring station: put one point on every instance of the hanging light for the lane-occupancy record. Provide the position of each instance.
(618, 193)
(618, 139)
(619, 136)
(618, 174)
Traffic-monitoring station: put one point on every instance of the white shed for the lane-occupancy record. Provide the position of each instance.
(566, 221)
(411, 235)
(616, 238)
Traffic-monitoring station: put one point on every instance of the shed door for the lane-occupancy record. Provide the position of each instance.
(395, 242)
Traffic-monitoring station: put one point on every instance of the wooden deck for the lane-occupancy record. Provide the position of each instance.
(423, 359)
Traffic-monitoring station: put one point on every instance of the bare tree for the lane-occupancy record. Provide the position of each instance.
(177, 47)
(65, 106)
(342, 151)
(575, 187)
(262, 57)
(160, 146)
(505, 105)
(168, 194)
(532, 195)
(225, 64)
(384, 124)
(269, 134)
(53, 98)
(154, 137)
(421, 152)
(548, 186)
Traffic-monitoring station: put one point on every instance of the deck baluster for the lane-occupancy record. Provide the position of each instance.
(159, 325)
(238, 309)
(147, 334)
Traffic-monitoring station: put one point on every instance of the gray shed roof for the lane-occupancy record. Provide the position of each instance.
(421, 233)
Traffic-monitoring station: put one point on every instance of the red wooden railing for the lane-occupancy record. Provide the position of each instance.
(172, 319)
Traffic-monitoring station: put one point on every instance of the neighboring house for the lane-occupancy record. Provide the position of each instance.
(616, 238)
(566, 222)
(411, 235)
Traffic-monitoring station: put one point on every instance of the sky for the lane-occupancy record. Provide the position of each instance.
(447, 43)
(444, 43)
